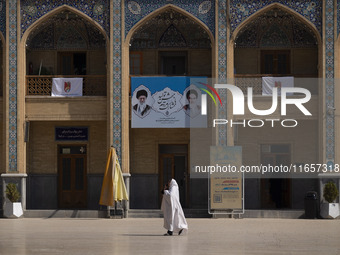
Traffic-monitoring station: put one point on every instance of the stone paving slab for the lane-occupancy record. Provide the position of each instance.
(145, 236)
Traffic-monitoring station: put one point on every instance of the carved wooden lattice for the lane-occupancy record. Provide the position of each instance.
(41, 86)
(93, 85)
(246, 82)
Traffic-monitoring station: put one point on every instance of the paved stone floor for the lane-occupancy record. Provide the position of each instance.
(145, 236)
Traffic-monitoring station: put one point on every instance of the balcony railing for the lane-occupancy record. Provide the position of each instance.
(244, 81)
(93, 85)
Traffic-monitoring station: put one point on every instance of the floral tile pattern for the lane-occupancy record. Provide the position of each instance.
(240, 10)
(32, 10)
(117, 77)
(222, 68)
(202, 9)
(3, 17)
(329, 94)
(59, 33)
(170, 29)
(276, 28)
(12, 64)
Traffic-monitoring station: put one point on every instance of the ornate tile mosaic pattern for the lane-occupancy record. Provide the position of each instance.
(32, 10)
(329, 97)
(3, 17)
(61, 33)
(138, 9)
(170, 29)
(117, 77)
(242, 9)
(12, 126)
(222, 68)
(276, 28)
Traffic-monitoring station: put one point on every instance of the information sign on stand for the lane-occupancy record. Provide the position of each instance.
(226, 182)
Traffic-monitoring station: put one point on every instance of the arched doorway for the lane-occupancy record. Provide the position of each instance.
(167, 43)
(277, 42)
(170, 43)
(65, 44)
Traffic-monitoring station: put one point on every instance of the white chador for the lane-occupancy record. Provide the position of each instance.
(174, 219)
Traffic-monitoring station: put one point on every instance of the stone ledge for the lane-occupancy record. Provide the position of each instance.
(65, 214)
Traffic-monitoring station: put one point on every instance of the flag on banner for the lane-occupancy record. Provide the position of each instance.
(113, 188)
(268, 83)
(67, 87)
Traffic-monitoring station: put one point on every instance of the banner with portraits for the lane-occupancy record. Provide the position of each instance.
(167, 102)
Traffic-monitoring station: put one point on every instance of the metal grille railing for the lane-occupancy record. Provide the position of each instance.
(93, 85)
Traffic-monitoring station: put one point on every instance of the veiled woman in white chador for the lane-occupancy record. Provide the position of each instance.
(174, 219)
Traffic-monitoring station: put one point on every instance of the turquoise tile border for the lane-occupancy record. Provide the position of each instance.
(329, 67)
(117, 77)
(12, 69)
(222, 68)
(3, 17)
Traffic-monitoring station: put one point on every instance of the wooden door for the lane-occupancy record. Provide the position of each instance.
(275, 192)
(72, 185)
(174, 166)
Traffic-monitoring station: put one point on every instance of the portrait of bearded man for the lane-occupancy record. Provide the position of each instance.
(192, 108)
(142, 108)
